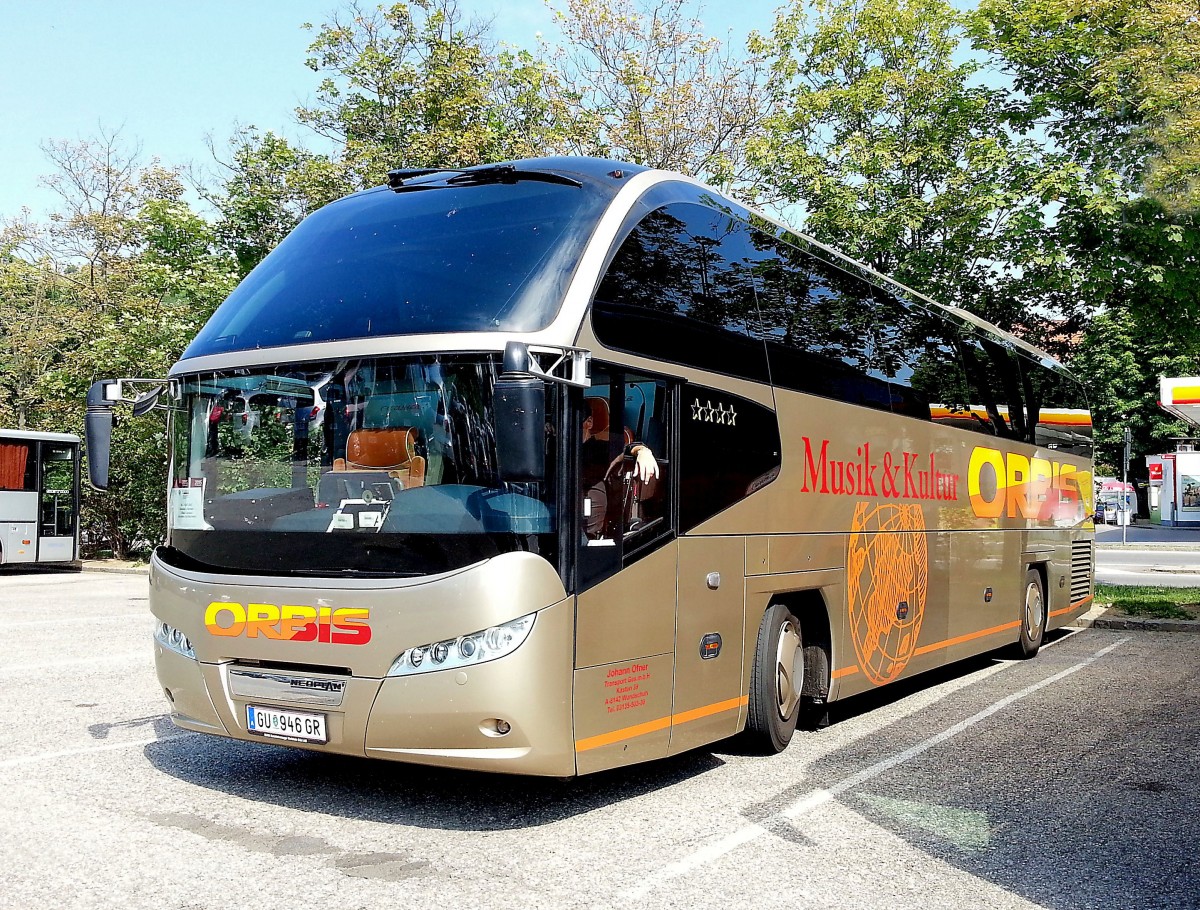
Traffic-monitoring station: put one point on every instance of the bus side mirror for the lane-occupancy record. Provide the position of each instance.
(520, 409)
(99, 425)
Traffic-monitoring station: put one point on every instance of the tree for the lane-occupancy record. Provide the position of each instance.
(643, 83)
(1122, 366)
(413, 85)
(1115, 85)
(267, 187)
(1114, 82)
(54, 278)
(900, 157)
(116, 284)
(38, 329)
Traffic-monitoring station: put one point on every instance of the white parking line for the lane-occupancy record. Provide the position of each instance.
(13, 669)
(817, 798)
(40, 757)
(73, 621)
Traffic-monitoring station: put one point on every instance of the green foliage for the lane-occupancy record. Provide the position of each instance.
(643, 83)
(1122, 365)
(900, 157)
(268, 186)
(1116, 83)
(116, 284)
(412, 85)
(1152, 333)
(38, 330)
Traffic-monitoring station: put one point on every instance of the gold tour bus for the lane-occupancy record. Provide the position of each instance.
(564, 464)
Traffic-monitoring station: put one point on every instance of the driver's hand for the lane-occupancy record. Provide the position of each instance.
(645, 465)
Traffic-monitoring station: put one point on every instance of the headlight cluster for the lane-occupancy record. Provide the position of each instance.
(476, 648)
(173, 640)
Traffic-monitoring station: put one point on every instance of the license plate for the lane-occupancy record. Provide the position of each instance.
(309, 728)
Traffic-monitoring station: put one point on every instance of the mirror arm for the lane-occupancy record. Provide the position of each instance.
(103, 395)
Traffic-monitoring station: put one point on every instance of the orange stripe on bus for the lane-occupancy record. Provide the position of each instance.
(1075, 606)
(606, 739)
(708, 710)
(653, 726)
(937, 646)
(1068, 421)
(970, 636)
(1047, 417)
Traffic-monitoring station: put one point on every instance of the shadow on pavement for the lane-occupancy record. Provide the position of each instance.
(41, 569)
(1067, 801)
(397, 793)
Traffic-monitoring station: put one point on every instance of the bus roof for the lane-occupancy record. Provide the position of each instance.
(349, 281)
(35, 436)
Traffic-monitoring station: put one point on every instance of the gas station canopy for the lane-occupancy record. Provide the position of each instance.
(1181, 397)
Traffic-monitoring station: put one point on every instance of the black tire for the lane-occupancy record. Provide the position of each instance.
(775, 681)
(1033, 615)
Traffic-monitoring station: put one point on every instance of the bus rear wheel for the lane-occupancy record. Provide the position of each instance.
(1033, 615)
(776, 680)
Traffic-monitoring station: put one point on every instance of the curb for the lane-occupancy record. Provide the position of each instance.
(1167, 546)
(1098, 618)
(115, 570)
(1148, 625)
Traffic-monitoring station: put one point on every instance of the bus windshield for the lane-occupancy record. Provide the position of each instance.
(379, 466)
(471, 258)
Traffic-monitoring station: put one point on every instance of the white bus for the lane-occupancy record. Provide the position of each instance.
(561, 465)
(39, 498)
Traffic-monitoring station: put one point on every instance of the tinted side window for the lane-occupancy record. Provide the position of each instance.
(819, 324)
(910, 352)
(729, 448)
(621, 516)
(17, 464)
(681, 288)
(1058, 409)
(941, 370)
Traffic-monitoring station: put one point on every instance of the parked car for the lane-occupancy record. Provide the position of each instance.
(1108, 505)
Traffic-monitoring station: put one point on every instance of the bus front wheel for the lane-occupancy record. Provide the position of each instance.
(1033, 615)
(776, 680)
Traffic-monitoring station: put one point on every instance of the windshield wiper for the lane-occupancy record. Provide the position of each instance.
(496, 173)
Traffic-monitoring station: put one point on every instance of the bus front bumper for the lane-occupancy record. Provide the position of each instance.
(508, 715)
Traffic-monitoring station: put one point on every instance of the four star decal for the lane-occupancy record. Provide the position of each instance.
(707, 413)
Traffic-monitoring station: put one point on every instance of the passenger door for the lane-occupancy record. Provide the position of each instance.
(58, 508)
(625, 573)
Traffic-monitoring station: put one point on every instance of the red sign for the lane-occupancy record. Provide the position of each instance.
(1155, 471)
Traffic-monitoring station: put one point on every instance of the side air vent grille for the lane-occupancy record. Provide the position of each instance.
(1081, 570)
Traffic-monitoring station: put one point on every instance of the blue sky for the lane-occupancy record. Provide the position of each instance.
(167, 73)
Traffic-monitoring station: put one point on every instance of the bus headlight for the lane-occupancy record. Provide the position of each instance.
(465, 651)
(173, 640)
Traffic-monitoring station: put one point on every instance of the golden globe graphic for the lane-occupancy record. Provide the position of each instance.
(887, 570)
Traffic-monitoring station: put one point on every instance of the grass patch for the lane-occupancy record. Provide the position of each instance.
(1151, 601)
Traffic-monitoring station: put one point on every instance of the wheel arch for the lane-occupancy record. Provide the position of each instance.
(1040, 564)
(809, 606)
